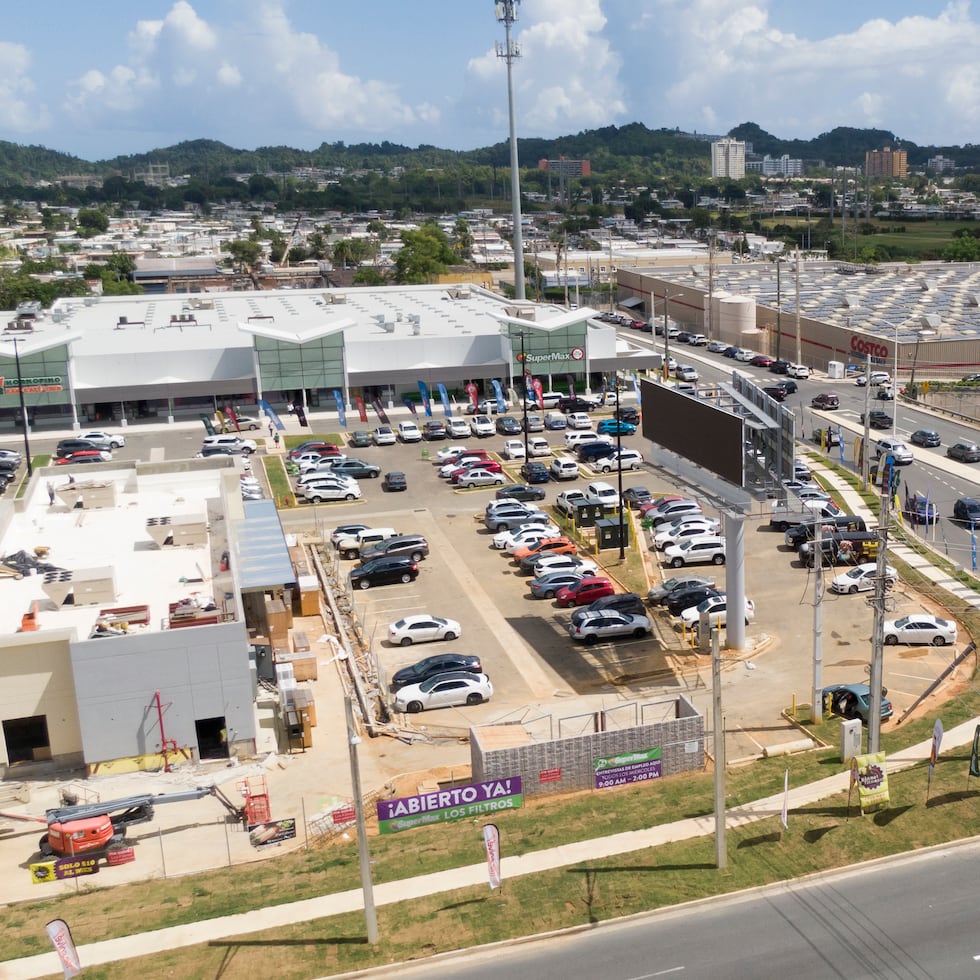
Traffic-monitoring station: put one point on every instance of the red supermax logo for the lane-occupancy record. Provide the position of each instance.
(861, 345)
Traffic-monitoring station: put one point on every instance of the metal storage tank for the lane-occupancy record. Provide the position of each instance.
(712, 317)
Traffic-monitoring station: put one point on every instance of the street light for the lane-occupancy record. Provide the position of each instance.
(524, 376)
(919, 334)
(619, 468)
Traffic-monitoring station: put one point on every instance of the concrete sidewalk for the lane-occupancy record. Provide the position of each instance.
(856, 505)
(208, 930)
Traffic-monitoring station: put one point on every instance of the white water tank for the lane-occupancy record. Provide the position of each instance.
(736, 318)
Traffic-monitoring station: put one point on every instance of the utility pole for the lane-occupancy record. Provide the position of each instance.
(666, 371)
(370, 914)
(885, 470)
(779, 305)
(866, 456)
(711, 281)
(817, 701)
(799, 345)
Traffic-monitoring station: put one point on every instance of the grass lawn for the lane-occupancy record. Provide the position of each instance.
(819, 837)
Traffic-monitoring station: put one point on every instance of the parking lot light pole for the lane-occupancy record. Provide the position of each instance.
(23, 407)
(524, 376)
(619, 468)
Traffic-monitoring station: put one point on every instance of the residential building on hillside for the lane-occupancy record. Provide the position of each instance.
(728, 158)
(886, 162)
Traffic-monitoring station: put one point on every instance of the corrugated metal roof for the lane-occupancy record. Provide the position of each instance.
(261, 551)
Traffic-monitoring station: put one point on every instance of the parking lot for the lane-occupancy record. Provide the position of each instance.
(523, 642)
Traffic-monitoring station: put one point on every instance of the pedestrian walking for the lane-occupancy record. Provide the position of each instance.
(275, 439)
(270, 428)
(50, 493)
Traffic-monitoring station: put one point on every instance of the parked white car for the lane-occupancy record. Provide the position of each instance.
(563, 468)
(443, 455)
(696, 551)
(798, 371)
(444, 691)
(861, 578)
(562, 563)
(674, 533)
(538, 446)
(409, 432)
(578, 420)
(628, 459)
(317, 493)
(422, 628)
(384, 435)
(513, 449)
(103, 440)
(482, 426)
(509, 541)
(716, 607)
(919, 629)
(457, 428)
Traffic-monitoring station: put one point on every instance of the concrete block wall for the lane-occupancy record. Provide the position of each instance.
(680, 739)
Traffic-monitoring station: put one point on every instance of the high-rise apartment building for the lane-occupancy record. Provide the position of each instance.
(886, 163)
(728, 158)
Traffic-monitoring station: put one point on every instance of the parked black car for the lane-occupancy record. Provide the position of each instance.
(520, 491)
(627, 413)
(431, 431)
(356, 468)
(681, 599)
(383, 571)
(437, 664)
(68, 446)
(780, 367)
(394, 481)
(413, 545)
(588, 452)
(788, 385)
(534, 471)
(776, 392)
(567, 405)
(508, 426)
(625, 602)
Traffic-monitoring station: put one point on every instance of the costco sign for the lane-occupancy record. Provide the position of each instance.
(862, 345)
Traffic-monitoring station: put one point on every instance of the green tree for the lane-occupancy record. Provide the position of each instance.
(424, 255)
(368, 276)
(462, 244)
(317, 244)
(244, 253)
(91, 222)
(963, 248)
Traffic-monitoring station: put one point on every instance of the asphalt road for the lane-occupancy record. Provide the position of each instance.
(909, 918)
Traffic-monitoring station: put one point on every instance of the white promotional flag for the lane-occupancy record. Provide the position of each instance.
(491, 838)
(60, 936)
(785, 813)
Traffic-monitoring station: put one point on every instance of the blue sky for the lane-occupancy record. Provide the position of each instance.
(111, 77)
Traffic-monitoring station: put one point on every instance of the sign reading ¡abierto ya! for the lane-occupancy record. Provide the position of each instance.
(472, 800)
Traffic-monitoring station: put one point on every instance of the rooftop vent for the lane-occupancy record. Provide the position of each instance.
(388, 325)
(930, 321)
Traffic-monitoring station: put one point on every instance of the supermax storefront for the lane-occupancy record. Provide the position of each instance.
(117, 359)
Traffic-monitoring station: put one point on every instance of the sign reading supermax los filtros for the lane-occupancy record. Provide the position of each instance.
(472, 800)
(631, 767)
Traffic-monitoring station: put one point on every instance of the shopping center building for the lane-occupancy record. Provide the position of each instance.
(96, 359)
(913, 320)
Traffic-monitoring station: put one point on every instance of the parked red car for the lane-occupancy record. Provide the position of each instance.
(584, 591)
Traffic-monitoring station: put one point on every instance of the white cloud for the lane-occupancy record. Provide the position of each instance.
(17, 112)
(229, 75)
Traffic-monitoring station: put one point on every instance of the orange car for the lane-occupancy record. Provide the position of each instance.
(549, 546)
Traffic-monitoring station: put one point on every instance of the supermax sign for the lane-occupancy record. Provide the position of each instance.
(861, 345)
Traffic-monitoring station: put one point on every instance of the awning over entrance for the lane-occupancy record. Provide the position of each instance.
(631, 303)
(261, 551)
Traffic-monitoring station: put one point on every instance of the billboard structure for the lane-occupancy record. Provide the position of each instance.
(734, 432)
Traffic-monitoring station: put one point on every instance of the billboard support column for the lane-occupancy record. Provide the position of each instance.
(735, 580)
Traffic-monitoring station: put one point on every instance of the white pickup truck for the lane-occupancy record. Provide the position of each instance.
(568, 500)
